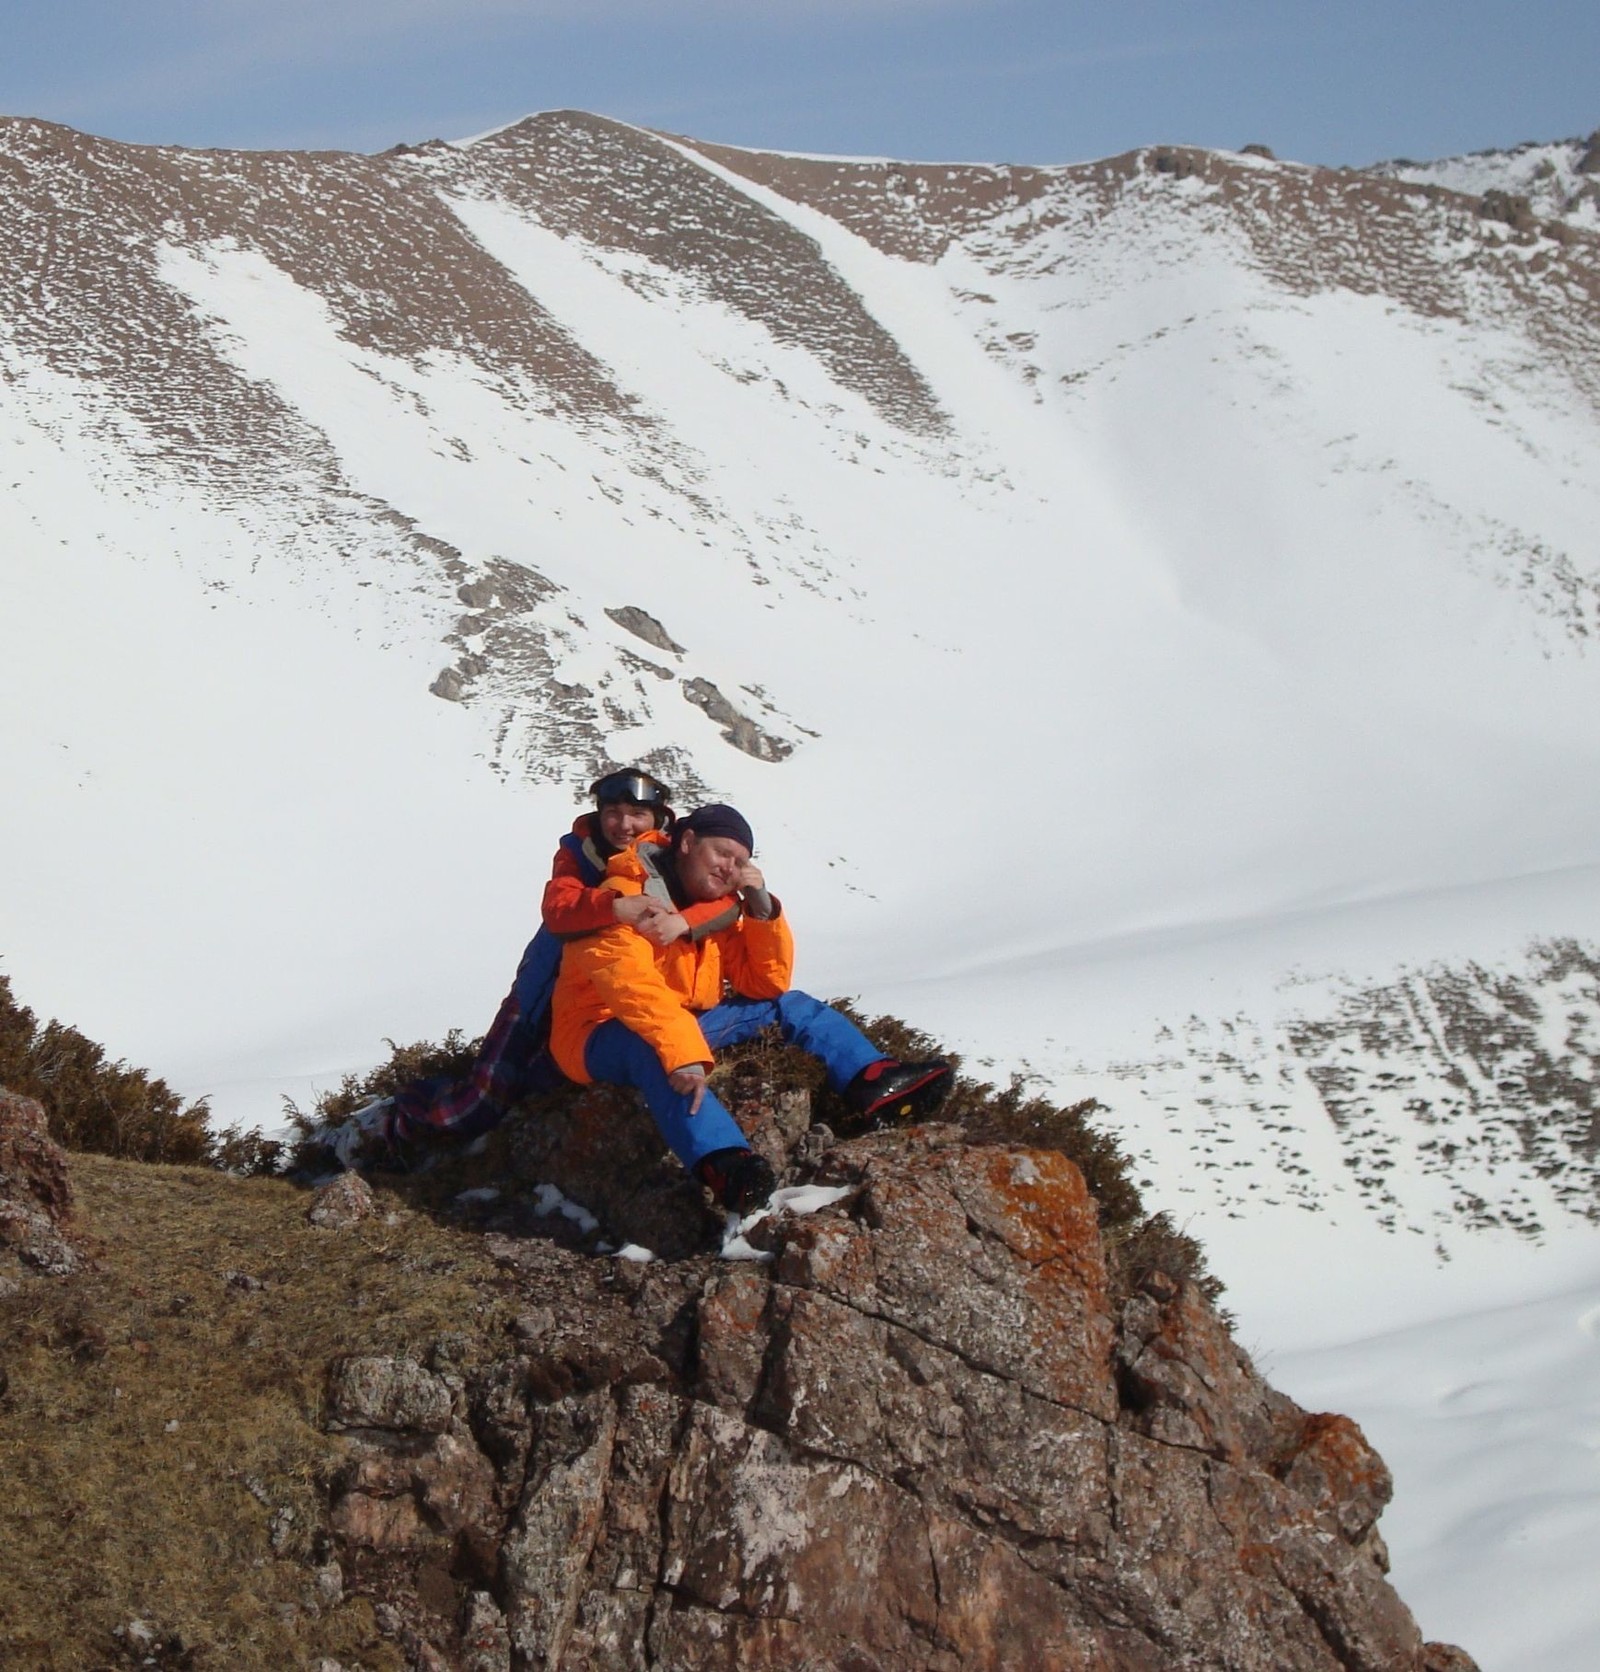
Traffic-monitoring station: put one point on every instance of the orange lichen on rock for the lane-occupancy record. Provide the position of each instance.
(1333, 1465)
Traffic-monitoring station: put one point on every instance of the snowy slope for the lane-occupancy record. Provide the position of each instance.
(1148, 609)
(1487, 1414)
(1559, 179)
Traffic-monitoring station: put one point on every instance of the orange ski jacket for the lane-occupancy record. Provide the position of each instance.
(656, 990)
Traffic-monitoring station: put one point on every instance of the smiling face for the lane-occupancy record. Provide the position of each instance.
(622, 821)
(708, 866)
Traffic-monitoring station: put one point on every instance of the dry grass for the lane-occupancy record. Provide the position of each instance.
(152, 1404)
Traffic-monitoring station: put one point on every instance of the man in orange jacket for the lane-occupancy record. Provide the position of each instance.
(635, 1013)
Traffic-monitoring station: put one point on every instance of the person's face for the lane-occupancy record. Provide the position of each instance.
(622, 821)
(708, 866)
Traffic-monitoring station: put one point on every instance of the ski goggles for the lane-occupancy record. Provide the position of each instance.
(638, 787)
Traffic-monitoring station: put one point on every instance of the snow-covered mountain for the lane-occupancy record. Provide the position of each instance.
(1162, 543)
(1149, 609)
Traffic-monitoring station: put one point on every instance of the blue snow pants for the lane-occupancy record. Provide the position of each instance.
(618, 1055)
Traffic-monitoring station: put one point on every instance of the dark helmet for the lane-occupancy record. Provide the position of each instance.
(634, 785)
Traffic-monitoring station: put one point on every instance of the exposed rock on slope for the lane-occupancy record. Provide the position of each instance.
(1554, 179)
(927, 1434)
(35, 1195)
(470, 303)
(1483, 1081)
(1307, 229)
(624, 189)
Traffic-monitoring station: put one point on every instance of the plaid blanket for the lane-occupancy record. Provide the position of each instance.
(513, 1062)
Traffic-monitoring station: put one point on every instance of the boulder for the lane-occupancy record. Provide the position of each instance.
(1589, 161)
(392, 1393)
(1509, 208)
(35, 1194)
(603, 1151)
(342, 1203)
(644, 626)
(927, 1432)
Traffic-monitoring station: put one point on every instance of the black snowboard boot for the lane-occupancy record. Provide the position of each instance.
(739, 1178)
(890, 1091)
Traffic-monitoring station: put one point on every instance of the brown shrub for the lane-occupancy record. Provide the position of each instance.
(405, 1065)
(1137, 1242)
(1151, 1244)
(110, 1108)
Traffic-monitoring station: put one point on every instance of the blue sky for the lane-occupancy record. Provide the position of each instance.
(1344, 81)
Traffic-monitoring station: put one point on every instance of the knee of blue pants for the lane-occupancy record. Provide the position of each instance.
(619, 1056)
(827, 1034)
(802, 1020)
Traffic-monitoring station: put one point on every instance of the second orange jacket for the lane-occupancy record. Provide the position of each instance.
(656, 991)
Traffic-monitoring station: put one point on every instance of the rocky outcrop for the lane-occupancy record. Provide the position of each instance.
(1589, 162)
(1509, 208)
(599, 1150)
(35, 1195)
(924, 1432)
(341, 1204)
(644, 626)
(738, 729)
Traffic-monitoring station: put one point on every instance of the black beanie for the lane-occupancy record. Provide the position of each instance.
(717, 819)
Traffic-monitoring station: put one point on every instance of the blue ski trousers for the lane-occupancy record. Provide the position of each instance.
(618, 1055)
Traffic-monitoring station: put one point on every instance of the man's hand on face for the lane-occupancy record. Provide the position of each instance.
(709, 866)
(690, 1082)
(752, 890)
